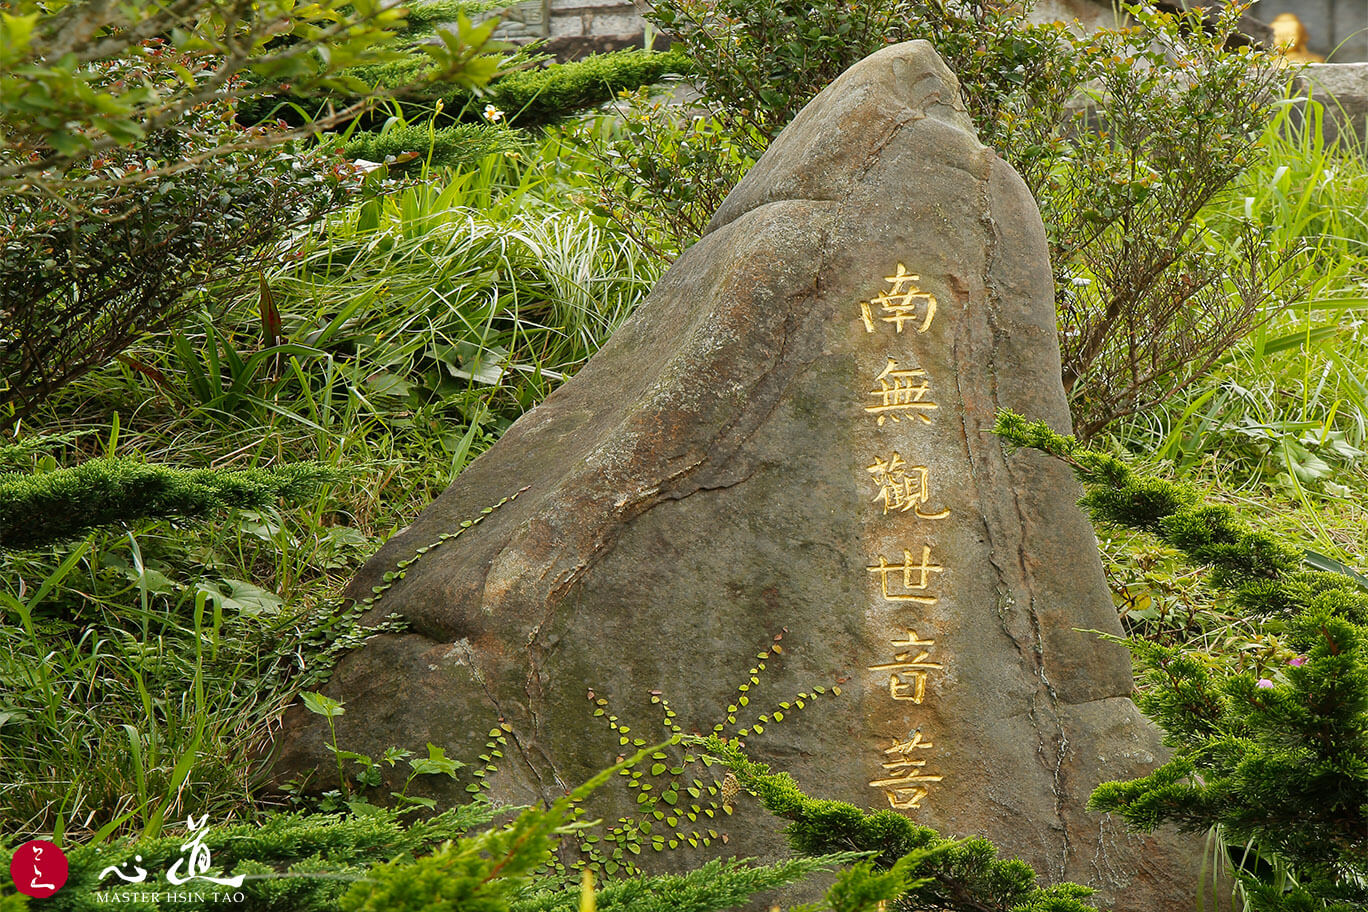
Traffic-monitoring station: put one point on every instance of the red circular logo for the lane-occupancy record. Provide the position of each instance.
(39, 868)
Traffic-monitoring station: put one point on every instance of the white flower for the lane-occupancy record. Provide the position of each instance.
(493, 114)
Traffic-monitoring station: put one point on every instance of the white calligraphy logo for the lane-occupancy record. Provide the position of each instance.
(195, 859)
(37, 874)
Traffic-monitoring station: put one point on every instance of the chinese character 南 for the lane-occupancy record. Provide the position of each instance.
(899, 303)
(901, 391)
(903, 487)
(914, 577)
(908, 670)
(906, 785)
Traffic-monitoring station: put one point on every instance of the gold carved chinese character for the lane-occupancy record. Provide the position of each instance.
(907, 783)
(908, 670)
(900, 303)
(914, 576)
(904, 749)
(903, 487)
(901, 391)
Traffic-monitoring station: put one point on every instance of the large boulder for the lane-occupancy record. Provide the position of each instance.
(792, 437)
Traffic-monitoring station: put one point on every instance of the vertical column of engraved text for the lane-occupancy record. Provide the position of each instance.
(901, 401)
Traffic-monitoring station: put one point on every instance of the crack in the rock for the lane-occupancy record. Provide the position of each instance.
(463, 646)
(1050, 749)
(1059, 738)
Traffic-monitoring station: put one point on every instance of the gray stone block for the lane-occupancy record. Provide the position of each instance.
(1342, 88)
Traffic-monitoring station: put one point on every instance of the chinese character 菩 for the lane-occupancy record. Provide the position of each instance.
(907, 783)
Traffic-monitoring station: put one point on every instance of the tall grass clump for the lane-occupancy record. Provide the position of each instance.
(1287, 406)
(457, 302)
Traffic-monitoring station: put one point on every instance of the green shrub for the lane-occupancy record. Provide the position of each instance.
(541, 95)
(1270, 746)
(660, 176)
(762, 61)
(461, 145)
(87, 270)
(538, 93)
(46, 507)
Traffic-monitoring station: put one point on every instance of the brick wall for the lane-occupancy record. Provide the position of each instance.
(574, 28)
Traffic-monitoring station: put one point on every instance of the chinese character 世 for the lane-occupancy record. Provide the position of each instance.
(903, 487)
(914, 577)
(899, 304)
(901, 390)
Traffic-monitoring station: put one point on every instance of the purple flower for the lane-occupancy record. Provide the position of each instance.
(1298, 662)
(1264, 684)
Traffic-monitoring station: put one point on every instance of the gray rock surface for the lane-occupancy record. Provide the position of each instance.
(1342, 88)
(787, 437)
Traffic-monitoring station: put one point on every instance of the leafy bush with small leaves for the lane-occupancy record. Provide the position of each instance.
(663, 170)
(86, 271)
(762, 61)
(58, 106)
(660, 175)
(1274, 753)
(1153, 286)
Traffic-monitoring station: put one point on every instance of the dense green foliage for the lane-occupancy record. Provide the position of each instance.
(45, 507)
(532, 93)
(540, 95)
(1275, 753)
(761, 62)
(428, 145)
(944, 874)
(130, 187)
(84, 274)
(59, 106)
